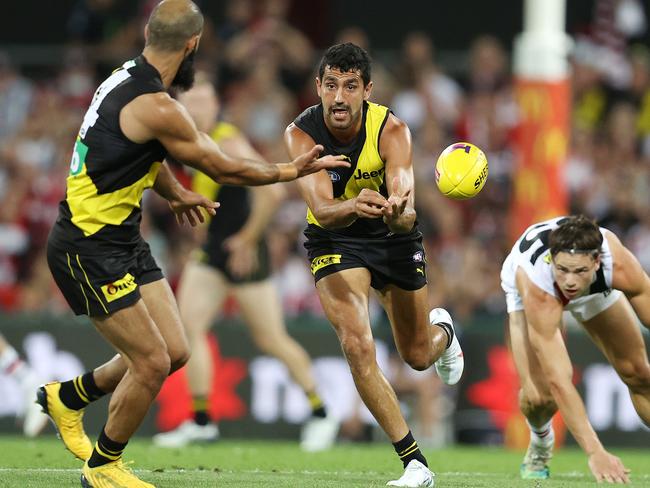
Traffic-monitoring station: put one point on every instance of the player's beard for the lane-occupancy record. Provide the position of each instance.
(184, 79)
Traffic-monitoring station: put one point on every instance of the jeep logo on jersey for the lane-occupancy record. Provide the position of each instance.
(334, 176)
(366, 175)
(481, 177)
(119, 288)
(323, 261)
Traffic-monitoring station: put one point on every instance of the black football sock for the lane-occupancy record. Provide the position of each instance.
(407, 449)
(80, 391)
(200, 409)
(317, 405)
(106, 451)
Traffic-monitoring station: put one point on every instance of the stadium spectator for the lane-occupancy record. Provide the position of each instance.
(15, 98)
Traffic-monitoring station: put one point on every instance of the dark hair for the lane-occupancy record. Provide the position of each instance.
(576, 234)
(346, 57)
(172, 24)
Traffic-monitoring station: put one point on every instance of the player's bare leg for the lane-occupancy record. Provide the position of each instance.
(423, 337)
(535, 399)
(419, 344)
(616, 332)
(166, 318)
(201, 294)
(261, 309)
(148, 364)
(165, 315)
(66, 409)
(161, 304)
(344, 296)
(147, 361)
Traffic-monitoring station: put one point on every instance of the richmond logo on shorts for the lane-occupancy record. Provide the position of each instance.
(119, 288)
(323, 261)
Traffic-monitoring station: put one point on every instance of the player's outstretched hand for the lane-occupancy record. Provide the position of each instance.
(188, 207)
(309, 162)
(396, 203)
(608, 468)
(370, 204)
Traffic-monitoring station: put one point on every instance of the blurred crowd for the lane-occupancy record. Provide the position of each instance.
(265, 71)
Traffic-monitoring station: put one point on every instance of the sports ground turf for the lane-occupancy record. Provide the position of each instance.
(44, 463)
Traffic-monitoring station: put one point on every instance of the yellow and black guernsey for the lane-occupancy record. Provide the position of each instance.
(235, 209)
(108, 172)
(95, 251)
(391, 258)
(367, 167)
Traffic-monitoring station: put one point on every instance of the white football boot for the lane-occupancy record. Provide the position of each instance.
(416, 475)
(319, 433)
(186, 433)
(450, 365)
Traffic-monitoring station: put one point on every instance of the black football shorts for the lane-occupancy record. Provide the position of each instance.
(398, 259)
(213, 255)
(102, 283)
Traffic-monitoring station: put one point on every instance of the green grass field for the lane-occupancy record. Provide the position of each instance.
(44, 463)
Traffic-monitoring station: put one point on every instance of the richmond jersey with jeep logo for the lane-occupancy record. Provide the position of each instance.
(396, 259)
(531, 252)
(109, 173)
(367, 168)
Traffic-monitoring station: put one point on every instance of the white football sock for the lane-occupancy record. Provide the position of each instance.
(542, 433)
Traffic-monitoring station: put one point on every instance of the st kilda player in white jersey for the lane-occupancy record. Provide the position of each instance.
(569, 263)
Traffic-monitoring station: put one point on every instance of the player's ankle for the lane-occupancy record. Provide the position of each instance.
(106, 451)
(407, 449)
(78, 392)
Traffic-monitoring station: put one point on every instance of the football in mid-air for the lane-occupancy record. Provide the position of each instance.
(461, 171)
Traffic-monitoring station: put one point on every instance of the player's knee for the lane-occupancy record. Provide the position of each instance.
(533, 399)
(152, 369)
(635, 375)
(178, 358)
(359, 350)
(417, 359)
(268, 343)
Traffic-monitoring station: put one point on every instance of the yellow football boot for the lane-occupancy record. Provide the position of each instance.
(68, 422)
(112, 475)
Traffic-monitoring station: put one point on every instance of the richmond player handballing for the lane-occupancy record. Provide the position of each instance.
(362, 234)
